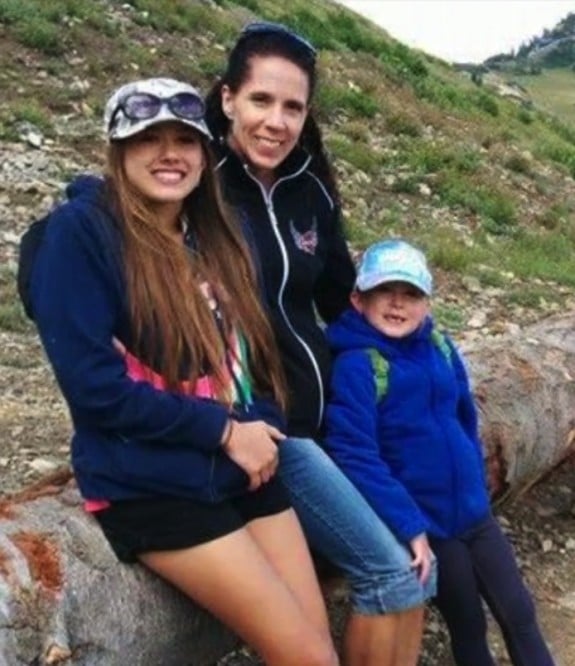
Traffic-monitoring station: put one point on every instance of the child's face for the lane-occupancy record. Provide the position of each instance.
(396, 309)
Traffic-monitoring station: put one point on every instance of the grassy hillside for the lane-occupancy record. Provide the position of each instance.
(483, 183)
(553, 90)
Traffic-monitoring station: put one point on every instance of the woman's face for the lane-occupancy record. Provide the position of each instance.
(165, 163)
(267, 113)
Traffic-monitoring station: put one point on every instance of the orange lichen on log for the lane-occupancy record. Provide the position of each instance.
(4, 564)
(7, 510)
(42, 558)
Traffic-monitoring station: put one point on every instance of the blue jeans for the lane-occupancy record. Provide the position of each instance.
(480, 564)
(342, 527)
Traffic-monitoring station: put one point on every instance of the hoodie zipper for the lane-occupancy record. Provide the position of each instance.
(267, 197)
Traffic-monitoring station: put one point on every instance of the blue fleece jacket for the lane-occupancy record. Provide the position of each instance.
(130, 439)
(416, 455)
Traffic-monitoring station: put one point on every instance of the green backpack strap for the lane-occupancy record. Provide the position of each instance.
(440, 341)
(380, 372)
(381, 365)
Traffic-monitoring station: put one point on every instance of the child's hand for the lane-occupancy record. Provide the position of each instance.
(422, 556)
(253, 447)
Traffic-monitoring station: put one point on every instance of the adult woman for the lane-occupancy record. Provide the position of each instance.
(276, 175)
(168, 366)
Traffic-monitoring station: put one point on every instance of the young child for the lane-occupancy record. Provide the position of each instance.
(402, 425)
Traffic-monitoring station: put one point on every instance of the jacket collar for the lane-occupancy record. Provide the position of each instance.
(229, 160)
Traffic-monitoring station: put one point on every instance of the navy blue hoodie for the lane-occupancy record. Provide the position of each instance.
(416, 455)
(130, 439)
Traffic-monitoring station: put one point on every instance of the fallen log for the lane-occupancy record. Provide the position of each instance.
(64, 599)
(525, 391)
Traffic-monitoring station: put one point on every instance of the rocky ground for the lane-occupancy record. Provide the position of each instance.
(34, 427)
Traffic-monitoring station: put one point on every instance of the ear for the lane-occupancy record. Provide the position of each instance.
(227, 102)
(356, 300)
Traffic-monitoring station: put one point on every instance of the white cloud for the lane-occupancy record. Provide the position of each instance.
(463, 30)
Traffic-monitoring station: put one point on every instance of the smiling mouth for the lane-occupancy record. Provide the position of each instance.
(169, 177)
(395, 319)
(272, 143)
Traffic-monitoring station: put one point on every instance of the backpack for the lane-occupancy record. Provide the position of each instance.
(29, 245)
(381, 365)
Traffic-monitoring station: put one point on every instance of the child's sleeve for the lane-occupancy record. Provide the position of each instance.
(466, 409)
(351, 422)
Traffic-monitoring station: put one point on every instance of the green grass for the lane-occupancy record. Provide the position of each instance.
(548, 256)
(448, 317)
(50, 26)
(554, 91)
(355, 103)
(12, 317)
(355, 153)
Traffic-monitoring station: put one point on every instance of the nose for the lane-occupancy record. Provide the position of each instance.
(275, 118)
(396, 299)
(168, 148)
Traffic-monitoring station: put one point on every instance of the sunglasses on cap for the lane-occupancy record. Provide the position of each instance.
(265, 27)
(144, 106)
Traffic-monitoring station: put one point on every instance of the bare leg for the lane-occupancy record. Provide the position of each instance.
(232, 578)
(409, 636)
(282, 541)
(393, 639)
(370, 640)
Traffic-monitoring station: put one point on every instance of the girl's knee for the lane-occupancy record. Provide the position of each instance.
(317, 653)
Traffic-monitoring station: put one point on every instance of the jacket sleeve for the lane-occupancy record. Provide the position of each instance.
(77, 301)
(466, 409)
(332, 289)
(351, 440)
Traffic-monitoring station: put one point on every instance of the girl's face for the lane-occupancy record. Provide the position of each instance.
(395, 309)
(165, 163)
(267, 113)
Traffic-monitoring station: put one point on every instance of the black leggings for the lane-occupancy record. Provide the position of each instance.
(480, 564)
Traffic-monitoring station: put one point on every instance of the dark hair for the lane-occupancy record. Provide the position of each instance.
(279, 44)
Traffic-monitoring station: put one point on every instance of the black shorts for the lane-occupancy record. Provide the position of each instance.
(133, 527)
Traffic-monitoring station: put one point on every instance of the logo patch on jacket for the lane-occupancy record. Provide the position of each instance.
(306, 241)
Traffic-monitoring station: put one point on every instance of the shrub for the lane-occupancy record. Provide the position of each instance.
(357, 154)
(403, 124)
(518, 164)
(497, 209)
(525, 116)
(357, 103)
(486, 102)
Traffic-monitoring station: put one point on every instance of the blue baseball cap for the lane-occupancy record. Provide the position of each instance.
(393, 261)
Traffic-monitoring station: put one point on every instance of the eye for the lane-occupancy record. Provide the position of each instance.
(189, 138)
(295, 107)
(147, 136)
(260, 99)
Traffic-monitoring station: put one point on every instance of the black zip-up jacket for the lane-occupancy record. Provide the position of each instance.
(306, 269)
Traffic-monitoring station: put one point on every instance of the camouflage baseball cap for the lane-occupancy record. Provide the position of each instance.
(140, 104)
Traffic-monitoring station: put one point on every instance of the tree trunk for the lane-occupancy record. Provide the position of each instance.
(64, 599)
(525, 391)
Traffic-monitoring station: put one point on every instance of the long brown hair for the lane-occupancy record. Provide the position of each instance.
(171, 319)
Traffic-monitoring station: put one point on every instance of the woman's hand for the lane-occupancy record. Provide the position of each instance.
(253, 446)
(422, 557)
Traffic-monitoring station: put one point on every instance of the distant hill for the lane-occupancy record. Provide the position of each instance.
(554, 48)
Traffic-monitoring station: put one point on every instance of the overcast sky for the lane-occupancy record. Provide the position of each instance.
(463, 30)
